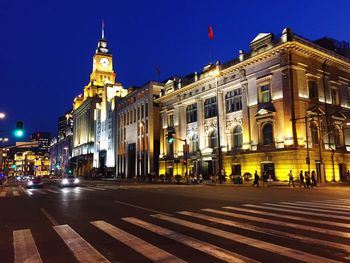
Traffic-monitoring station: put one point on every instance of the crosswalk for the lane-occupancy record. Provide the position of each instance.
(21, 191)
(264, 232)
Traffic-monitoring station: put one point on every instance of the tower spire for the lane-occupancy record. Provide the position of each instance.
(103, 30)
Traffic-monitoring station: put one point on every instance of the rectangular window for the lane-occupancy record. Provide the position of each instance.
(313, 89)
(146, 109)
(210, 107)
(234, 100)
(335, 96)
(141, 111)
(191, 112)
(138, 113)
(264, 94)
(171, 120)
(134, 115)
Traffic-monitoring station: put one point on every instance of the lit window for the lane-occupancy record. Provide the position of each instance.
(237, 137)
(213, 139)
(194, 146)
(264, 94)
(210, 107)
(191, 111)
(335, 96)
(234, 100)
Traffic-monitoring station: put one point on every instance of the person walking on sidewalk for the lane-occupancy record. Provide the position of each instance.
(313, 178)
(265, 178)
(308, 180)
(301, 179)
(256, 179)
(291, 178)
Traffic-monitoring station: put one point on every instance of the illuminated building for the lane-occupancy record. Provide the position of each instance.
(138, 131)
(61, 145)
(43, 139)
(84, 107)
(282, 105)
(105, 129)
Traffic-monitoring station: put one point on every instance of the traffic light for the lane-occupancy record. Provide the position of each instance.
(13, 166)
(57, 165)
(170, 137)
(19, 132)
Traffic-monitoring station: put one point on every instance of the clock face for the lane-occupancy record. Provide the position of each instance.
(104, 62)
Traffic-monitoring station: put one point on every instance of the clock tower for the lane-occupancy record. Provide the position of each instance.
(102, 69)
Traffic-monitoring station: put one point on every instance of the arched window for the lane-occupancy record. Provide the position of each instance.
(314, 133)
(194, 146)
(267, 134)
(213, 139)
(237, 137)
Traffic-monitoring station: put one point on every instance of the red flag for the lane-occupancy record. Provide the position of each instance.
(210, 33)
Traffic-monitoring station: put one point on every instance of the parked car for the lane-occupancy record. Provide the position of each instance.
(69, 180)
(35, 182)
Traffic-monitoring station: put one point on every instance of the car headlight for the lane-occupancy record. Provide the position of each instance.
(76, 181)
(64, 181)
(30, 183)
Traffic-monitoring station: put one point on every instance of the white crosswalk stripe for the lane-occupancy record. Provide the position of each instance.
(87, 189)
(81, 249)
(294, 211)
(329, 206)
(284, 251)
(210, 249)
(24, 247)
(148, 250)
(290, 205)
(15, 193)
(331, 236)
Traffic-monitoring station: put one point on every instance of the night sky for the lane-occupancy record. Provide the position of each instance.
(46, 47)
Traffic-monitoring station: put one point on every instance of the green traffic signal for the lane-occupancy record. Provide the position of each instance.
(19, 132)
(170, 135)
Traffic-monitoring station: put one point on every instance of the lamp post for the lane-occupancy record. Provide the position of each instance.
(2, 115)
(216, 74)
(143, 153)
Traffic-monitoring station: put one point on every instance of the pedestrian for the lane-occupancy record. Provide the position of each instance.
(348, 176)
(291, 178)
(265, 177)
(256, 179)
(301, 179)
(313, 178)
(200, 178)
(308, 179)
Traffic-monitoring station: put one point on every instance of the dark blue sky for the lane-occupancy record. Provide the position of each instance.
(46, 47)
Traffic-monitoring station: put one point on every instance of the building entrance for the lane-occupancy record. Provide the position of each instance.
(131, 160)
(269, 168)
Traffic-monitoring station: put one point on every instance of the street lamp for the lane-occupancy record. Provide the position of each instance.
(143, 153)
(2, 115)
(216, 73)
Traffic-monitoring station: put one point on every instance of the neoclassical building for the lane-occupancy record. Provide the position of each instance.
(284, 105)
(95, 96)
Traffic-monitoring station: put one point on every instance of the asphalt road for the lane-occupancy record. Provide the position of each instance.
(108, 222)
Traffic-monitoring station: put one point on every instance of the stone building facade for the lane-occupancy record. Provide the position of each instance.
(138, 132)
(284, 105)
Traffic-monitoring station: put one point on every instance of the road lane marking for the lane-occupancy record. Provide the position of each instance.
(140, 207)
(327, 205)
(97, 188)
(268, 231)
(2, 194)
(282, 223)
(291, 205)
(40, 191)
(146, 249)
(284, 251)
(48, 216)
(87, 189)
(293, 211)
(202, 246)
(15, 193)
(296, 218)
(81, 249)
(52, 191)
(24, 247)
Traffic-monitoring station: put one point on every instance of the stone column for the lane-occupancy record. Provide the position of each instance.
(245, 116)
(200, 124)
